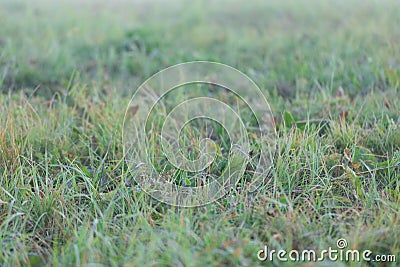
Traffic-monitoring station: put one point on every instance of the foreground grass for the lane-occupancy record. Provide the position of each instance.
(66, 197)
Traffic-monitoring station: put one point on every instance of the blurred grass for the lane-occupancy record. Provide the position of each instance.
(301, 44)
(67, 70)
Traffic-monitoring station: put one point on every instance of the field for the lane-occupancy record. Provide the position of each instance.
(68, 69)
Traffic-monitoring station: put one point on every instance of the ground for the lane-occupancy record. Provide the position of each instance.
(329, 70)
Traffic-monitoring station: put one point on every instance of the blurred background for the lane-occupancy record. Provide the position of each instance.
(287, 47)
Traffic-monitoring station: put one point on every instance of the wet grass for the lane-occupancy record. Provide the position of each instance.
(67, 72)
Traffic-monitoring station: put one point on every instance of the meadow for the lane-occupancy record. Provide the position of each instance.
(329, 70)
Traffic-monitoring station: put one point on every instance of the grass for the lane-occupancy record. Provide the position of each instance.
(67, 73)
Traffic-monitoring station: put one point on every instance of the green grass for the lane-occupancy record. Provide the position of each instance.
(330, 71)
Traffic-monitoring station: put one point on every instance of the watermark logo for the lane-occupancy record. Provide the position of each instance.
(341, 253)
(341, 243)
(194, 130)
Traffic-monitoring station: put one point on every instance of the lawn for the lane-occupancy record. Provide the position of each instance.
(330, 72)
